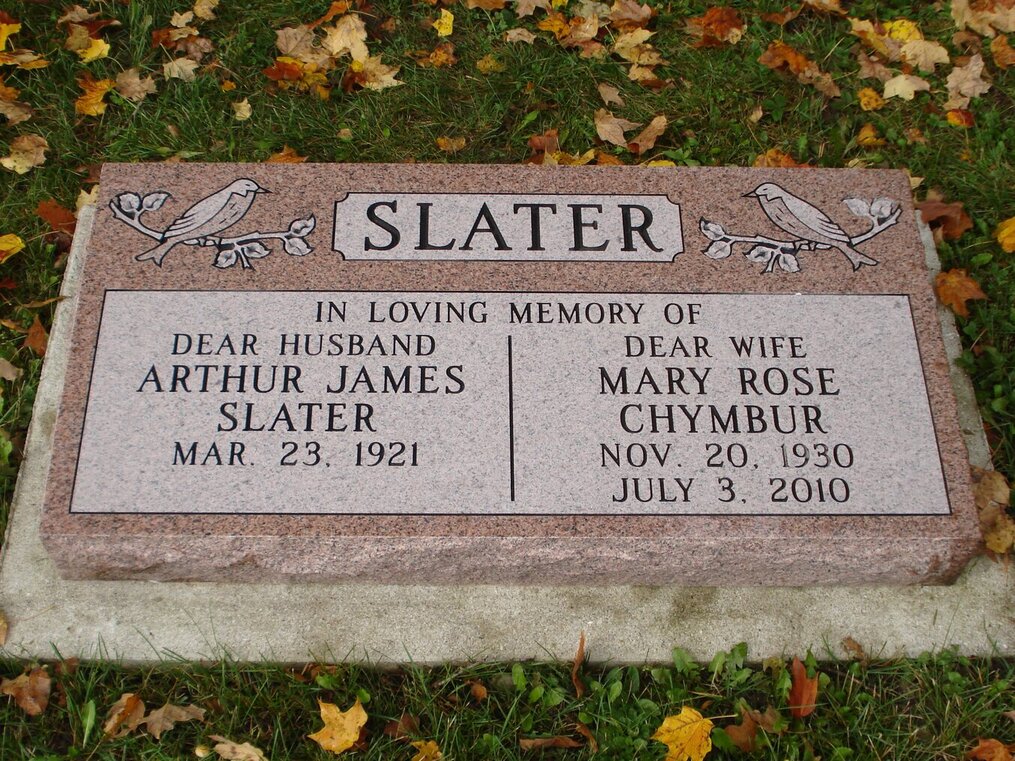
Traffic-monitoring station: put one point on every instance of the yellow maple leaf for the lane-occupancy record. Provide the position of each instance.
(10, 244)
(427, 750)
(659, 162)
(341, 728)
(6, 30)
(92, 102)
(445, 24)
(96, 49)
(868, 136)
(902, 30)
(687, 735)
(870, 100)
(451, 144)
(489, 65)
(1005, 234)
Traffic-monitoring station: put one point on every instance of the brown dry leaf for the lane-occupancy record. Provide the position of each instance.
(27, 152)
(991, 750)
(773, 157)
(780, 56)
(478, 690)
(542, 743)
(489, 65)
(590, 738)
(372, 74)
(803, 693)
(646, 139)
(15, 111)
(687, 735)
(231, 751)
(770, 721)
(986, 17)
(8, 372)
(441, 57)
(576, 667)
(180, 20)
(633, 46)
(992, 495)
(5, 365)
(126, 714)
(629, 14)
(611, 128)
(426, 750)
(782, 17)
(163, 719)
(406, 726)
(30, 691)
(872, 68)
(299, 42)
(954, 288)
(744, 734)
(870, 100)
(205, 9)
(719, 26)
(76, 14)
(1002, 51)
(548, 142)
(924, 54)
(855, 649)
(607, 159)
(519, 35)
(348, 35)
(285, 156)
(949, 220)
(486, 5)
(451, 144)
(826, 6)
(341, 728)
(525, 8)
(180, 68)
(59, 218)
(966, 82)
(905, 86)
(131, 86)
(610, 95)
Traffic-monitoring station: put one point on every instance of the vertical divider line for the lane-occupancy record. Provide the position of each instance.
(511, 416)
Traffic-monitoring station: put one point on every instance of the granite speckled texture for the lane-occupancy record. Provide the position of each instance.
(449, 548)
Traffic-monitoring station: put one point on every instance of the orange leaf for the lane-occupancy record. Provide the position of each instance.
(646, 139)
(58, 218)
(125, 716)
(949, 218)
(954, 288)
(773, 157)
(716, 28)
(1003, 52)
(37, 338)
(803, 693)
(626, 15)
(743, 734)
(285, 69)
(286, 156)
(579, 661)
(478, 690)
(92, 101)
(991, 750)
(30, 691)
(960, 117)
(780, 56)
(539, 743)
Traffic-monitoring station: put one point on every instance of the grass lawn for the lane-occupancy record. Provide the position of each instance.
(723, 107)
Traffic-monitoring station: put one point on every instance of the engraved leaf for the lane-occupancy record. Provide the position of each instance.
(341, 729)
(788, 262)
(154, 201)
(253, 250)
(303, 227)
(30, 691)
(720, 249)
(296, 246)
(129, 202)
(882, 208)
(687, 735)
(711, 230)
(858, 206)
(762, 253)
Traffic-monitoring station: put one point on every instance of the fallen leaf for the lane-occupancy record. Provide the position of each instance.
(905, 86)
(525, 8)
(96, 49)
(607, 159)
(959, 117)
(489, 65)
(660, 162)
(348, 35)
(611, 128)
(241, 110)
(877, 38)
(5, 365)
(286, 156)
(756, 114)
(872, 68)
(87, 198)
(341, 728)
(716, 27)
(205, 9)
(826, 6)
(541, 743)
(868, 137)
(92, 101)
(27, 152)
(986, 17)
(992, 495)
(773, 157)
(30, 691)
(1005, 235)
(8, 372)
(870, 100)
(803, 693)
(949, 220)
(445, 23)
(163, 719)
(548, 142)
(15, 111)
(126, 714)
(782, 17)
(744, 734)
(372, 74)
(590, 738)
(478, 690)
(646, 139)
(426, 750)
(487, 5)
(130, 85)
(406, 726)
(451, 144)
(626, 15)
(966, 82)
(610, 95)
(180, 68)
(687, 735)
(10, 244)
(180, 20)
(780, 56)
(855, 649)
(1002, 52)
(576, 667)
(771, 721)
(991, 750)
(520, 35)
(231, 751)
(954, 288)
(924, 54)
(59, 218)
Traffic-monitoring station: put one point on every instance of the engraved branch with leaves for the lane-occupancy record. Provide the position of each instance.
(242, 249)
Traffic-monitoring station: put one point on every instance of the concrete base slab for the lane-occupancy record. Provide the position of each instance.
(144, 621)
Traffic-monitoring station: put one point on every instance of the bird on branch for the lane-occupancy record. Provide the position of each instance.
(207, 217)
(805, 222)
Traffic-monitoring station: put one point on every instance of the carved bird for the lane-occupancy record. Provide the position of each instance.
(805, 222)
(208, 216)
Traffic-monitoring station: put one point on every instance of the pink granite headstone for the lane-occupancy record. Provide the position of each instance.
(499, 373)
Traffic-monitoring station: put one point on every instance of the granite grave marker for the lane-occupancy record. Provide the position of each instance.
(460, 374)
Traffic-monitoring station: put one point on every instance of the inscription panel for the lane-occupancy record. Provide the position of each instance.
(482, 403)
